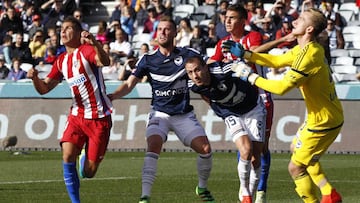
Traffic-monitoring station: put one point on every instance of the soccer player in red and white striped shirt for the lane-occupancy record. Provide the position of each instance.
(89, 121)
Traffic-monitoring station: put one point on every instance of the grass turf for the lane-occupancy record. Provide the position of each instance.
(36, 177)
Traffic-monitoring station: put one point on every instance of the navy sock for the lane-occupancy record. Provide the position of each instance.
(265, 168)
(72, 182)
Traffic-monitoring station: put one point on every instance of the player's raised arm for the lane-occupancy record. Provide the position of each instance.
(101, 57)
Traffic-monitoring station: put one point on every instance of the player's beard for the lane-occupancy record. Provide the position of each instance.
(166, 43)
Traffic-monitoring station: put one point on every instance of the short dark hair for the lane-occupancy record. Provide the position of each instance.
(75, 22)
(196, 58)
(239, 8)
(167, 18)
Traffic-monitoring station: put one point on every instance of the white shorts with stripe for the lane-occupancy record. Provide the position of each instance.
(252, 124)
(185, 126)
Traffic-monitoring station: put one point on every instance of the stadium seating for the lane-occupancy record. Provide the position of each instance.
(344, 60)
(349, 6)
(347, 69)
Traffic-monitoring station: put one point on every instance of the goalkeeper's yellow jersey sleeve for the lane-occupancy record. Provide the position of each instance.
(311, 74)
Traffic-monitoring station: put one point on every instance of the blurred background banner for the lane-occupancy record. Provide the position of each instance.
(38, 122)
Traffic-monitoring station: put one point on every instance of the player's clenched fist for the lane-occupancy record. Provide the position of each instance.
(87, 37)
(31, 73)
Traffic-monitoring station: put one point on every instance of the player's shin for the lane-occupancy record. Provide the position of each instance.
(265, 168)
(254, 179)
(316, 173)
(244, 167)
(305, 188)
(72, 182)
(204, 165)
(149, 172)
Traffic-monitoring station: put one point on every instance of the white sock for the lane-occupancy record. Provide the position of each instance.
(149, 172)
(204, 165)
(254, 180)
(244, 167)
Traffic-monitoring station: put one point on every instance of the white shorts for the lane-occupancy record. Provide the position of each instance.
(185, 126)
(252, 124)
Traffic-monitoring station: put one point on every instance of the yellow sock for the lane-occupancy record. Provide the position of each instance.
(319, 178)
(304, 188)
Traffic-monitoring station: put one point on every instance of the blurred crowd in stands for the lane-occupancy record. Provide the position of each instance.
(29, 30)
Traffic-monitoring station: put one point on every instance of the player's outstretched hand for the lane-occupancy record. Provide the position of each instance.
(234, 47)
(242, 71)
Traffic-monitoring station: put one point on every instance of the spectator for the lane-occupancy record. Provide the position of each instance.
(277, 13)
(38, 47)
(283, 31)
(126, 69)
(36, 25)
(220, 26)
(144, 49)
(307, 4)
(291, 10)
(51, 32)
(6, 49)
(330, 13)
(5, 5)
(53, 16)
(102, 32)
(55, 42)
(151, 21)
(11, 21)
(111, 68)
(184, 33)
(142, 13)
(114, 25)
(21, 50)
(50, 55)
(336, 38)
(127, 20)
(106, 48)
(120, 49)
(223, 5)
(256, 19)
(27, 16)
(79, 15)
(267, 31)
(211, 38)
(4, 71)
(160, 7)
(116, 13)
(198, 41)
(250, 6)
(16, 73)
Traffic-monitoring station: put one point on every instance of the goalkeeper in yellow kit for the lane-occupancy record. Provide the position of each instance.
(311, 74)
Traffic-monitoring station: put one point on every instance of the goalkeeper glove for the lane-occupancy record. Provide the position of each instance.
(244, 72)
(234, 47)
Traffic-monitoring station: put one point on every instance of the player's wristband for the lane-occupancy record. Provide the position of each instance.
(252, 78)
(247, 54)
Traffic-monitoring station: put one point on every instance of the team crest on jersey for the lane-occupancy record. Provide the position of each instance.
(222, 87)
(178, 60)
(76, 64)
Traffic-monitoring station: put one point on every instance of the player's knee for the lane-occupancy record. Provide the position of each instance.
(90, 171)
(295, 169)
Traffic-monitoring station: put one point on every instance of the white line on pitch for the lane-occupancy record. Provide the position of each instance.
(50, 181)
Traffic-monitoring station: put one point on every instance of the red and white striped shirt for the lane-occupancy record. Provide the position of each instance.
(85, 80)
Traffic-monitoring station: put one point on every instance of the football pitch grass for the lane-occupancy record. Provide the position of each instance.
(36, 177)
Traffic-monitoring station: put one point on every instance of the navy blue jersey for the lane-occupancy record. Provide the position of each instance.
(228, 95)
(168, 79)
